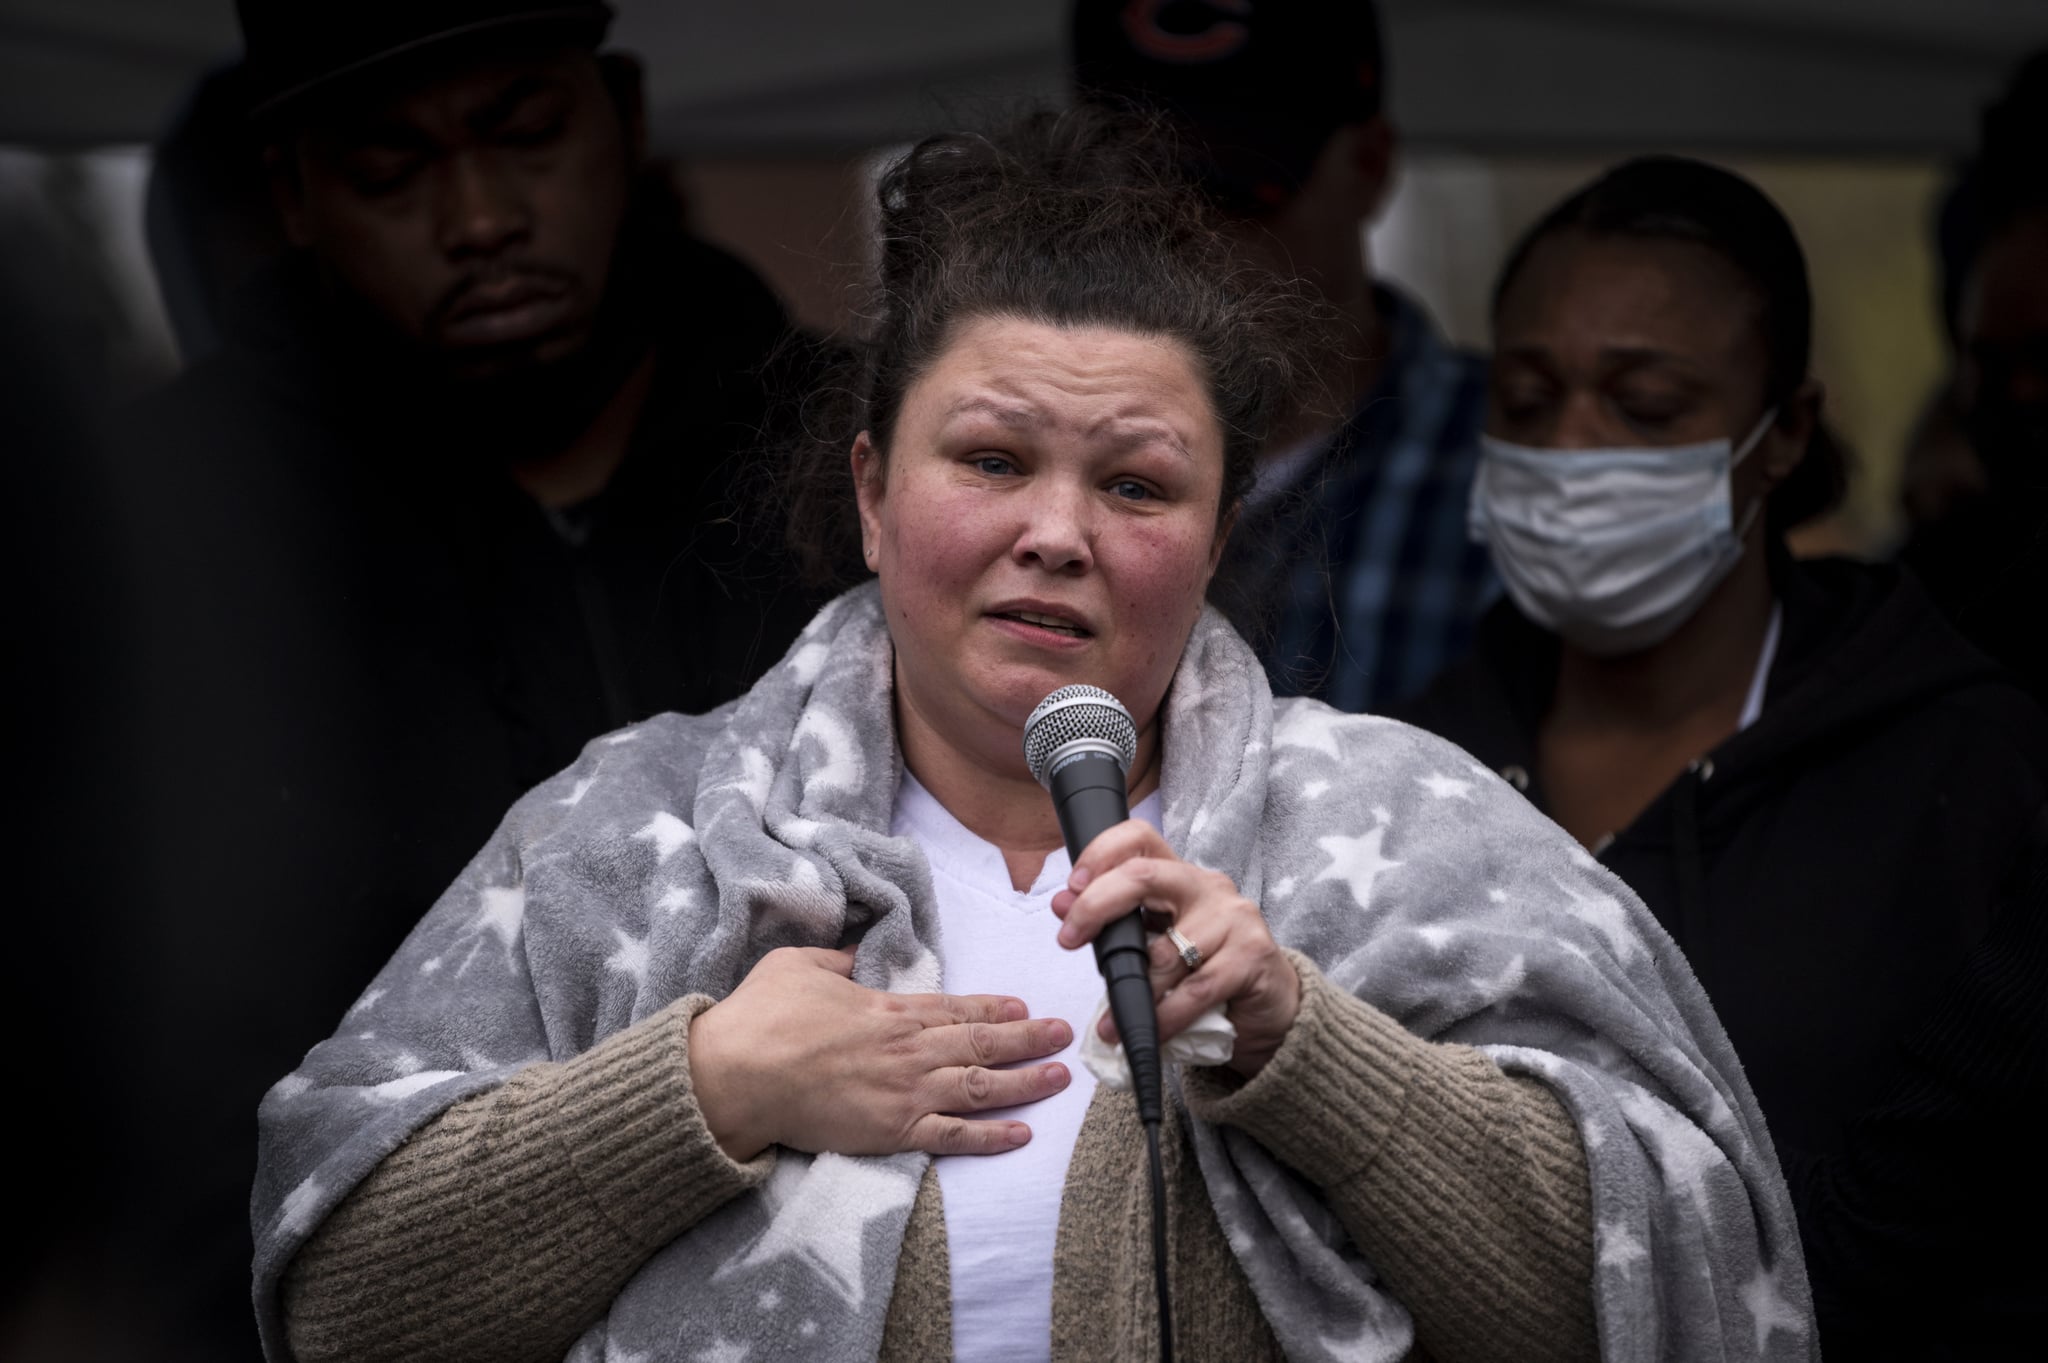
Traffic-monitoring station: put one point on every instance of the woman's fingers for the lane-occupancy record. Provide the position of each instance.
(1164, 882)
(1165, 963)
(1180, 994)
(998, 1043)
(1131, 838)
(1239, 965)
(1218, 981)
(942, 1010)
(976, 1088)
(940, 1134)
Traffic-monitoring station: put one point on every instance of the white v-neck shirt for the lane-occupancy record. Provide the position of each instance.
(1002, 1211)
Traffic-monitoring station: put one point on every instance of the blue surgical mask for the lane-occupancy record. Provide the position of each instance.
(1612, 549)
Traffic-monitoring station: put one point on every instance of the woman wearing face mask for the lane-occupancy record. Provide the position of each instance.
(1817, 787)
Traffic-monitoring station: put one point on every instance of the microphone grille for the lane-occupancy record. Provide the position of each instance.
(1073, 713)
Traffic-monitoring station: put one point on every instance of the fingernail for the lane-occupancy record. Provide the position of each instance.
(1078, 881)
(1019, 1133)
(1015, 1011)
(1106, 1029)
(1057, 1076)
(1063, 1034)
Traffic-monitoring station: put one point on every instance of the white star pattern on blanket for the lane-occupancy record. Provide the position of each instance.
(819, 1213)
(1319, 730)
(1768, 1308)
(1619, 1248)
(630, 959)
(1682, 1151)
(1604, 914)
(500, 911)
(1445, 787)
(1357, 862)
(669, 835)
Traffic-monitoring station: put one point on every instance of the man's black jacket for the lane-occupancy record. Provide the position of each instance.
(355, 642)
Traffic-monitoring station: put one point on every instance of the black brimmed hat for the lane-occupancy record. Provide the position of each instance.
(1256, 89)
(301, 48)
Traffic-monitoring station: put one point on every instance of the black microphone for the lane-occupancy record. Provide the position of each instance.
(1079, 743)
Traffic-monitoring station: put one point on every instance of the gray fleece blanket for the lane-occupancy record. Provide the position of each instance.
(675, 853)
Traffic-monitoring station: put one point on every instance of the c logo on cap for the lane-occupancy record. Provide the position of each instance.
(1220, 39)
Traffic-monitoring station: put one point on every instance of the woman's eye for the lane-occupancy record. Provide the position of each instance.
(1651, 414)
(1131, 491)
(1522, 403)
(993, 464)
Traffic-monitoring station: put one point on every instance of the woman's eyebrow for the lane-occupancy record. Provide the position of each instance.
(1017, 416)
(1118, 433)
(1121, 436)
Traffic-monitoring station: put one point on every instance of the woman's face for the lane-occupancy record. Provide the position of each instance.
(1047, 514)
(1614, 341)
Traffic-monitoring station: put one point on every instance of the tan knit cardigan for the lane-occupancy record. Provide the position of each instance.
(502, 1229)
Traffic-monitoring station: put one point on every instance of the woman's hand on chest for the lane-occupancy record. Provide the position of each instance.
(799, 1055)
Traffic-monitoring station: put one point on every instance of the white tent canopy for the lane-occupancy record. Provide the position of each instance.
(1842, 77)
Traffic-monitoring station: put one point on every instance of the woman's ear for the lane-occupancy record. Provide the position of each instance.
(866, 465)
(1785, 444)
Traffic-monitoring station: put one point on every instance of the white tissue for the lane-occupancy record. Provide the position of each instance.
(1209, 1040)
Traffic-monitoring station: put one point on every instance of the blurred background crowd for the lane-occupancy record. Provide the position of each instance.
(395, 391)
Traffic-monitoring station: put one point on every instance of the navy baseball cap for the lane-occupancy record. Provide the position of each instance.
(1255, 86)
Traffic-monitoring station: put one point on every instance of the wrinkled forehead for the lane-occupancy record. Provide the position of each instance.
(1098, 385)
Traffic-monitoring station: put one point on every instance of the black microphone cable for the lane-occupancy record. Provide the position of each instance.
(1079, 743)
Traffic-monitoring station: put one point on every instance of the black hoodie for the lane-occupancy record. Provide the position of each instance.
(356, 642)
(1825, 869)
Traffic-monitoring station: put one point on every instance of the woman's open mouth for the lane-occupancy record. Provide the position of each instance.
(1052, 624)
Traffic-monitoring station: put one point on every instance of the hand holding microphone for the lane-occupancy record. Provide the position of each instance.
(1238, 964)
(1079, 743)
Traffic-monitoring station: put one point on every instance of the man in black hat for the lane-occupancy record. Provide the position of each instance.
(465, 488)
(1351, 568)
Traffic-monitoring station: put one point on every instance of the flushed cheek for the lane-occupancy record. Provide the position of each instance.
(949, 540)
(1158, 577)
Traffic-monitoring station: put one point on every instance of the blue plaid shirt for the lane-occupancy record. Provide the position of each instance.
(1358, 583)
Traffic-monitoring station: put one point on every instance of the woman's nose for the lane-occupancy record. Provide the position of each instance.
(1057, 534)
(1580, 423)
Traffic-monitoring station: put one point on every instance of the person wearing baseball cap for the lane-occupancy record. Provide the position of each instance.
(449, 501)
(1351, 568)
